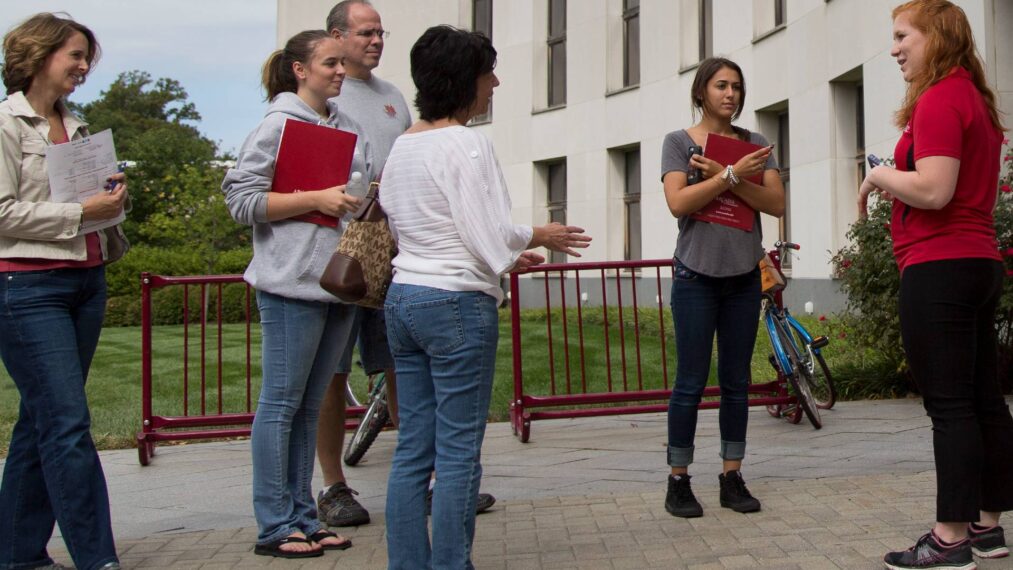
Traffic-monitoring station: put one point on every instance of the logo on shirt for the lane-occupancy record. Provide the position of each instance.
(390, 110)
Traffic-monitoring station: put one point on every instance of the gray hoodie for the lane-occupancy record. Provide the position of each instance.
(288, 256)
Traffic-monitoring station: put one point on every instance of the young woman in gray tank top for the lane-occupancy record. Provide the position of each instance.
(716, 285)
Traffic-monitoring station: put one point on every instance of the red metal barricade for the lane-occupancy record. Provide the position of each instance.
(573, 391)
(203, 412)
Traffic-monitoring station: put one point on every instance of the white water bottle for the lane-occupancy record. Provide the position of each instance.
(355, 186)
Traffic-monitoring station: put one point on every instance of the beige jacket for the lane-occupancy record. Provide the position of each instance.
(32, 226)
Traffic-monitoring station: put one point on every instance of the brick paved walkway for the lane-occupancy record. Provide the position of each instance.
(585, 493)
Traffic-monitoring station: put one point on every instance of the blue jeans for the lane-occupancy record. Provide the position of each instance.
(444, 346)
(701, 306)
(50, 322)
(302, 341)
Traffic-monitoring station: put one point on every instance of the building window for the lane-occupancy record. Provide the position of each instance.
(859, 133)
(557, 52)
(706, 24)
(631, 42)
(556, 203)
(768, 17)
(784, 163)
(481, 21)
(696, 26)
(780, 12)
(631, 199)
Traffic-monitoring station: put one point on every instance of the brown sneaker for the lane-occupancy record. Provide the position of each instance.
(337, 507)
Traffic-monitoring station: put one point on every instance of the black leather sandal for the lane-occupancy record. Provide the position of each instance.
(275, 548)
(324, 534)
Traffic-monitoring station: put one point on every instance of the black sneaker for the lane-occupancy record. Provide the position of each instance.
(337, 507)
(680, 501)
(928, 553)
(989, 543)
(735, 495)
(484, 503)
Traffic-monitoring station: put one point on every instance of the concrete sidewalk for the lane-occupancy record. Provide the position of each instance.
(584, 493)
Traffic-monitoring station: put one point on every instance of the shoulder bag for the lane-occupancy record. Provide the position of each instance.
(360, 270)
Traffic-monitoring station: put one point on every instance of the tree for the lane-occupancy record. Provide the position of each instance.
(151, 124)
(193, 215)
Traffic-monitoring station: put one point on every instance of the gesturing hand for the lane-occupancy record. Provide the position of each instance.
(558, 237)
(753, 163)
(526, 260)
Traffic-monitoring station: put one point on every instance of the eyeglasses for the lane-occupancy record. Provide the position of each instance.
(368, 34)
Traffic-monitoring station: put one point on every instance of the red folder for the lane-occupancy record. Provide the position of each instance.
(728, 209)
(312, 157)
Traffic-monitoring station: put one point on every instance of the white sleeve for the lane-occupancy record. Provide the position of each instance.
(480, 206)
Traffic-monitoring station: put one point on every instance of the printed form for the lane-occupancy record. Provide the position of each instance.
(79, 169)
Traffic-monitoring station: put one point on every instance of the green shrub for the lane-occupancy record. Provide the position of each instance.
(871, 281)
(124, 276)
(124, 281)
(167, 306)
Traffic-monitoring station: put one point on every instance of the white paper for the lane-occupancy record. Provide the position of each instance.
(78, 170)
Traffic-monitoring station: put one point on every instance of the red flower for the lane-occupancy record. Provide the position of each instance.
(1008, 158)
(1006, 188)
(823, 317)
(842, 335)
(846, 264)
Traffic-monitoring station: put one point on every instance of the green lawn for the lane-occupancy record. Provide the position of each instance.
(114, 387)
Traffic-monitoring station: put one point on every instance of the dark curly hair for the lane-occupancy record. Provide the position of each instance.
(27, 46)
(446, 63)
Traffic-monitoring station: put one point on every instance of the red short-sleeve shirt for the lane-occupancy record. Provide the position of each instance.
(950, 119)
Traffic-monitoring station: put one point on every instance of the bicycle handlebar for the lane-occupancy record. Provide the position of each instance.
(786, 245)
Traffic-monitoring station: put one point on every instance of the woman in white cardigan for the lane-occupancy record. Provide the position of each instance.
(448, 206)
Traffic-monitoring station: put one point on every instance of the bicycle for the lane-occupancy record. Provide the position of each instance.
(796, 356)
(375, 418)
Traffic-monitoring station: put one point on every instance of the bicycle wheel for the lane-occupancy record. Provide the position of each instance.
(372, 423)
(822, 383)
(350, 398)
(799, 378)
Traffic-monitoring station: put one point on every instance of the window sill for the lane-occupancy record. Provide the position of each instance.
(633, 87)
(548, 109)
(479, 123)
(769, 33)
(689, 68)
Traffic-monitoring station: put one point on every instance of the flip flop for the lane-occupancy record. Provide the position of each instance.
(324, 534)
(274, 548)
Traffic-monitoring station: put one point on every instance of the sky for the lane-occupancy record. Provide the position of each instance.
(214, 48)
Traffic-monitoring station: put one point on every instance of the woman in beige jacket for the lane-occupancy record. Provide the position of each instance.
(52, 302)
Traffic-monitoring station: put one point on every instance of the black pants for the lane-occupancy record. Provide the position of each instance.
(947, 319)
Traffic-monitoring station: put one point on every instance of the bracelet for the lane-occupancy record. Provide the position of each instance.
(730, 177)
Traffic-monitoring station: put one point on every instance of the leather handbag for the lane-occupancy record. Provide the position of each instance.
(360, 270)
(771, 279)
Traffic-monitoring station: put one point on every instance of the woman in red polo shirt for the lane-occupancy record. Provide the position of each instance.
(52, 301)
(943, 191)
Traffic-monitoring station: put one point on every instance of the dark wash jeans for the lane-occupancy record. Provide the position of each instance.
(701, 307)
(50, 323)
(947, 319)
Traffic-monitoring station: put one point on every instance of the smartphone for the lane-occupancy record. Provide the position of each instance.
(874, 161)
(693, 176)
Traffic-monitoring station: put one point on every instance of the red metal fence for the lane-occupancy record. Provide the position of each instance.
(574, 387)
(207, 391)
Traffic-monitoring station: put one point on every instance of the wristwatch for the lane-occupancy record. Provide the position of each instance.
(730, 178)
